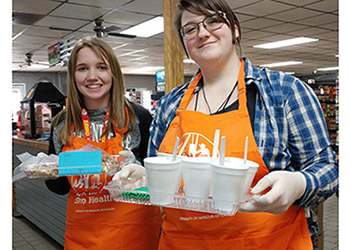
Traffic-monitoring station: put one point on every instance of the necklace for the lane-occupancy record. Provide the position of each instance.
(223, 104)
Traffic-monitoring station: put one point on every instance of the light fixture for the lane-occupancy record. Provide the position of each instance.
(328, 69)
(131, 52)
(188, 61)
(120, 46)
(147, 69)
(290, 73)
(39, 66)
(280, 64)
(146, 29)
(284, 43)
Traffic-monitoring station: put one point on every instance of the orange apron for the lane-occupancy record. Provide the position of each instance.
(183, 229)
(95, 221)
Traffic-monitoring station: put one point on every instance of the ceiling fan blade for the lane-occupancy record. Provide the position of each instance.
(111, 28)
(121, 35)
(60, 29)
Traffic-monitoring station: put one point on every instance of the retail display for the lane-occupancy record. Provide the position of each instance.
(327, 93)
(140, 96)
(42, 102)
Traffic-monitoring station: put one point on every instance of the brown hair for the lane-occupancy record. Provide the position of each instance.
(203, 7)
(117, 102)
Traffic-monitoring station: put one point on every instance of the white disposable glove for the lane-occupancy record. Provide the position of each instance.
(286, 188)
(131, 170)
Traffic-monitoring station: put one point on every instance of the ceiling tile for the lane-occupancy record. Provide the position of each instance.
(260, 23)
(329, 36)
(309, 32)
(16, 28)
(273, 38)
(151, 41)
(60, 22)
(243, 17)
(106, 4)
(78, 11)
(256, 34)
(126, 18)
(34, 6)
(319, 19)
(44, 32)
(142, 6)
(332, 26)
(297, 2)
(33, 39)
(241, 3)
(285, 28)
(302, 17)
(295, 14)
(264, 8)
(326, 6)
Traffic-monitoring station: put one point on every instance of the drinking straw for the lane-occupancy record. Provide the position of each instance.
(175, 149)
(245, 150)
(185, 144)
(216, 143)
(222, 151)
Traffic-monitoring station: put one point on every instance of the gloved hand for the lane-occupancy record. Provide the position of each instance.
(131, 170)
(286, 188)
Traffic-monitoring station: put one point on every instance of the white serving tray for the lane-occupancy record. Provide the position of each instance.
(120, 192)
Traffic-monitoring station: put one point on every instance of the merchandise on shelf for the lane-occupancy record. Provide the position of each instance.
(328, 93)
(42, 102)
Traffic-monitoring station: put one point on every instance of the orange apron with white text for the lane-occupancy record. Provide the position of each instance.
(184, 230)
(95, 221)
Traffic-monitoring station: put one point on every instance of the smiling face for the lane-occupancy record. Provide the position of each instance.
(207, 46)
(93, 79)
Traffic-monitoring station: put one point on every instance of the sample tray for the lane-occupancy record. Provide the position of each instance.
(137, 193)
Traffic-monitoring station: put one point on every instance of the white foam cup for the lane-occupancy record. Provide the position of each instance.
(228, 183)
(253, 167)
(197, 177)
(164, 179)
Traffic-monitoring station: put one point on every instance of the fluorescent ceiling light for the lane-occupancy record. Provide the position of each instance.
(188, 61)
(280, 64)
(147, 69)
(284, 43)
(40, 65)
(328, 69)
(146, 29)
(131, 52)
(121, 46)
(290, 73)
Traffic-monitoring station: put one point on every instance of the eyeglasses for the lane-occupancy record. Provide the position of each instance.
(210, 23)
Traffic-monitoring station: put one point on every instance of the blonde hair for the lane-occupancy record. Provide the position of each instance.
(118, 104)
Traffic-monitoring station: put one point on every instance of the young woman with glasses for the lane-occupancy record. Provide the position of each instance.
(280, 115)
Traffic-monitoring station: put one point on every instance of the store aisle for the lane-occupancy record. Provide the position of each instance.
(26, 236)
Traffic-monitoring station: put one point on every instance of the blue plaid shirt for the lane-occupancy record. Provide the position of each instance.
(289, 129)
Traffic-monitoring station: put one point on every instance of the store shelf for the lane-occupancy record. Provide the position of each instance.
(327, 93)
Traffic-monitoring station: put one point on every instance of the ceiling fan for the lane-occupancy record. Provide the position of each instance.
(100, 30)
(29, 61)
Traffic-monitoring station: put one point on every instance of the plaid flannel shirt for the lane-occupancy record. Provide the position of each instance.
(289, 129)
